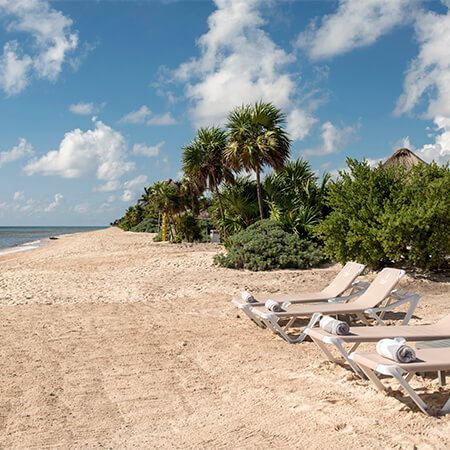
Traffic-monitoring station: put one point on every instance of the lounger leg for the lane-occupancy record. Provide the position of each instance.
(325, 350)
(446, 408)
(414, 299)
(372, 377)
(441, 377)
(352, 364)
(409, 390)
(246, 309)
(272, 320)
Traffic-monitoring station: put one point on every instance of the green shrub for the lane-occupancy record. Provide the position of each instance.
(189, 228)
(158, 237)
(389, 215)
(266, 246)
(148, 225)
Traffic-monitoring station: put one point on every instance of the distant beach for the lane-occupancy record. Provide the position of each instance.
(20, 239)
(112, 340)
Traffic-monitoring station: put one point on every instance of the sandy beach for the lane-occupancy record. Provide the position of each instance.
(111, 340)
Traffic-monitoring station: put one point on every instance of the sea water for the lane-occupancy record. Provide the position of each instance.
(17, 239)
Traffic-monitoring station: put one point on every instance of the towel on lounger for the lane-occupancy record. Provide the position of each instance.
(248, 298)
(396, 350)
(334, 326)
(273, 306)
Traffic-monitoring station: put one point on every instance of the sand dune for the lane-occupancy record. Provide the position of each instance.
(111, 340)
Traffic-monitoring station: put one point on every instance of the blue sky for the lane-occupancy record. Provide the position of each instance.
(97, 98)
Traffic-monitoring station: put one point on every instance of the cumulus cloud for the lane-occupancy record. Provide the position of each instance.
(109, 186)
(57, 200)
(427, 82)
(144, 115)
(24, 148)
(162, 119)
(238, 63)
(139, 116)
(51, 40)
(132, 187)
(355, 24)
(83, 108)
(439, 151)
(147, 150)
(299, 124)
(100, 152)
(428, 76)
(333, 138)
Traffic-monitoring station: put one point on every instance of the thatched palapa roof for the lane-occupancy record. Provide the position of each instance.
(403, 157)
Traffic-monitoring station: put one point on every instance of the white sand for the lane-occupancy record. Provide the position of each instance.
(111, 340)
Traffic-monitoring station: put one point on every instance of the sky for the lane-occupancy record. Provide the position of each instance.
(98, 97)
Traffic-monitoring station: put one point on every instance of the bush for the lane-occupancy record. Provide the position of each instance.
(266, 246)
(189, 228)
(158, 237)
(389, 215)
(148, 225)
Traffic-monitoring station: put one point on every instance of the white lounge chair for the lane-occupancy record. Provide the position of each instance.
(428, 360)
(367, 304)
(344, 281)
(358, 335)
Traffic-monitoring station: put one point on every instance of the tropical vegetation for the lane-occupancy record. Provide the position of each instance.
(288, 217)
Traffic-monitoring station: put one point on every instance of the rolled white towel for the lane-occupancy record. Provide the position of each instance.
(273, 306)
(248, 298)
(396, 350)
(334, 326)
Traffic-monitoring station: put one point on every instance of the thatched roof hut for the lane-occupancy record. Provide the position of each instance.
(403, 157)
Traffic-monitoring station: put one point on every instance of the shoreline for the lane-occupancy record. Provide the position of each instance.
(38, 243)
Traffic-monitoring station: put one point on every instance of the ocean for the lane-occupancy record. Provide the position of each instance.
(17, 239)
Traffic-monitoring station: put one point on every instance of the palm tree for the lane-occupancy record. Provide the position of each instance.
(257, 138)
(203, 161)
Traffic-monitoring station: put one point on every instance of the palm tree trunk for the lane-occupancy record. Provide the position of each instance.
(258, 190)
(222, 214)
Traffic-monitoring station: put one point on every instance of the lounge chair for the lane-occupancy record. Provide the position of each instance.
(343, 281)
(358, 335)
(428, 360)
(381, 289)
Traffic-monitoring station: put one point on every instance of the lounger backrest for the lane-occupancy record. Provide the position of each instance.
(445, 321)
(344, 279)
(380, 288)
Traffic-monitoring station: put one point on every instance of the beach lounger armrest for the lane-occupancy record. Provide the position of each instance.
(357, 288)
(404, 297)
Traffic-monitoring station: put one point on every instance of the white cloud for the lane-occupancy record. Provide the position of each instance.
(355, 24)
(19, 195)
(127, 195)
(334, 139)
(109, 186)
(57, 200)
(429, 73)
(427, 82)
(139, 116)
(299, 124)
(51, 40)
(403, 143)
(150, 151)
(133, 187)
(24, 148)
(144, 115)
(239, 63)
(100, 152)
(162, 119)
(13, 69)
(83, 108)
(137, 182)
(439, 151)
